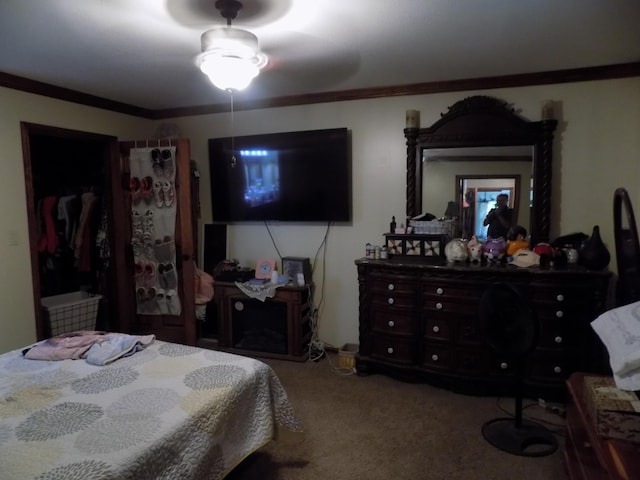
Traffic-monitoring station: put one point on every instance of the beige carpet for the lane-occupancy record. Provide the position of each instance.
(378, 428)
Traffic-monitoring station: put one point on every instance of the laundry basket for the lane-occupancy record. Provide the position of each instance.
(71, 311)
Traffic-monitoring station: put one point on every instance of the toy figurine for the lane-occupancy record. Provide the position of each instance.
(475, 250)
(494, 249)
(516, 239)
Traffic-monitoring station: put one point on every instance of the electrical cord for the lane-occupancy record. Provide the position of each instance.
(557, 429)
(273, 241)
(316, 346)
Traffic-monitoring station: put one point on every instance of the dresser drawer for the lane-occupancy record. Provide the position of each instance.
(559, 293)
(442, 290)
(439, 328)
(394, 284)
(553, 366)
(394, 299)
(500, 366)
(438, 357)
(560, 312)
(387, 321)
(447, 306)
(393, 349)
(559, 334)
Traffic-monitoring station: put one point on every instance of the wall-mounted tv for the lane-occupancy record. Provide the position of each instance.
(300, 176)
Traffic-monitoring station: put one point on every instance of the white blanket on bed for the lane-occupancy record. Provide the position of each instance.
(168, 412)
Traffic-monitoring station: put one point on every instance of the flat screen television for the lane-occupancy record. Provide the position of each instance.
(300, 176)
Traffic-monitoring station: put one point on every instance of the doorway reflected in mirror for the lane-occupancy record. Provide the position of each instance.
(479, 195)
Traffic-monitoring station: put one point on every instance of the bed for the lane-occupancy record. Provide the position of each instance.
(169, 411)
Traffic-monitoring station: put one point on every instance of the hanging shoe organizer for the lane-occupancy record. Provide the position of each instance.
(153, 219)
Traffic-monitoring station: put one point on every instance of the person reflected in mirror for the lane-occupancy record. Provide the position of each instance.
(499, 218)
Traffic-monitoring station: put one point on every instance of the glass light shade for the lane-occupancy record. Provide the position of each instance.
(230, 57)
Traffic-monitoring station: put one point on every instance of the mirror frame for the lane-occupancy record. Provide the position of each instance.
(482, 121)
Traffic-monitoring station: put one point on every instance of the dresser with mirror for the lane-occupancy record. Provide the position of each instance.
(419, 315)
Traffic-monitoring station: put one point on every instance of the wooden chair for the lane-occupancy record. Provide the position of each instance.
(627, 249)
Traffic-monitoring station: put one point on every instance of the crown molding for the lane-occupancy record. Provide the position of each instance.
(520, 80)
(60, 93)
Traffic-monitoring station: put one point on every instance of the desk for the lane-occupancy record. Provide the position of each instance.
(589, 456)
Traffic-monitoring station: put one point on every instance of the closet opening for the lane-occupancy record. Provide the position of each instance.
(69, 198)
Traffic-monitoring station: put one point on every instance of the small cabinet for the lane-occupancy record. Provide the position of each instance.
(420, 320)
(279, 327)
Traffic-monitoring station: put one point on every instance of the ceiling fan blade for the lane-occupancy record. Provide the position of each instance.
(298, 60)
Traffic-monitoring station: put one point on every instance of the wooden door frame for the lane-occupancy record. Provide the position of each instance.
(110, 153)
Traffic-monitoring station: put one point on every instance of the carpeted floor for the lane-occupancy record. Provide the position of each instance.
(378, 428)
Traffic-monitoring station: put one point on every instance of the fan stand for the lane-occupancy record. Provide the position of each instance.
(509, 326)
(517, 436)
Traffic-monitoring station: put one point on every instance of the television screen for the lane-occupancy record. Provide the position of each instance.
(289, 177)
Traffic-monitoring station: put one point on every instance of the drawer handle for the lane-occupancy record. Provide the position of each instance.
(439, 291)
(558, 339)
(391, 323)
(436, 328)
(557, 370)
(435, 357)
(390, 300)
(560, 297)
(390, 351)
(504, 365)
(559, 314)
(439, 306)
(391, 286)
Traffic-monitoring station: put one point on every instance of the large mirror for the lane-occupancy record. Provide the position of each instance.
(478, 149)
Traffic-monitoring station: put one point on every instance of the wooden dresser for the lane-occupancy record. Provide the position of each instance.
(418, 321)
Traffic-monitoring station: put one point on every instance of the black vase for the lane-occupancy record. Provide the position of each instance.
(594, 254)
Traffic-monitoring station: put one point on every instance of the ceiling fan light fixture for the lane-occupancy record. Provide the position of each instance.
(230, 57)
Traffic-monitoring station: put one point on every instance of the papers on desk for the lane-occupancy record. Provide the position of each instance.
(619, 330)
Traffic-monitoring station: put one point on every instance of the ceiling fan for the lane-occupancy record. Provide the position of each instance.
(301, 50)
(231, 56)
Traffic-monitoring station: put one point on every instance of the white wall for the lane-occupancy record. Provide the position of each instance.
(17, 316)
(597, 150)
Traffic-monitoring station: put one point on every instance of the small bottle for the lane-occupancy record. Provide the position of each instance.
(383, 253)
(392, 225)
(369, 251)
(376, 252)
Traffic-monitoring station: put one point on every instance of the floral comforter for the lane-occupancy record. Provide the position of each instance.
(167, 412)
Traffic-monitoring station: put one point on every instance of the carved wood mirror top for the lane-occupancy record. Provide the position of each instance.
(482, 121)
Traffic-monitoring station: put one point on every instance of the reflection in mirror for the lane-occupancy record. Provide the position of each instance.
(480, 197)
(474, 176)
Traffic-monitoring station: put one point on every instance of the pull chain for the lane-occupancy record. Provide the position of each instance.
(233, 142)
